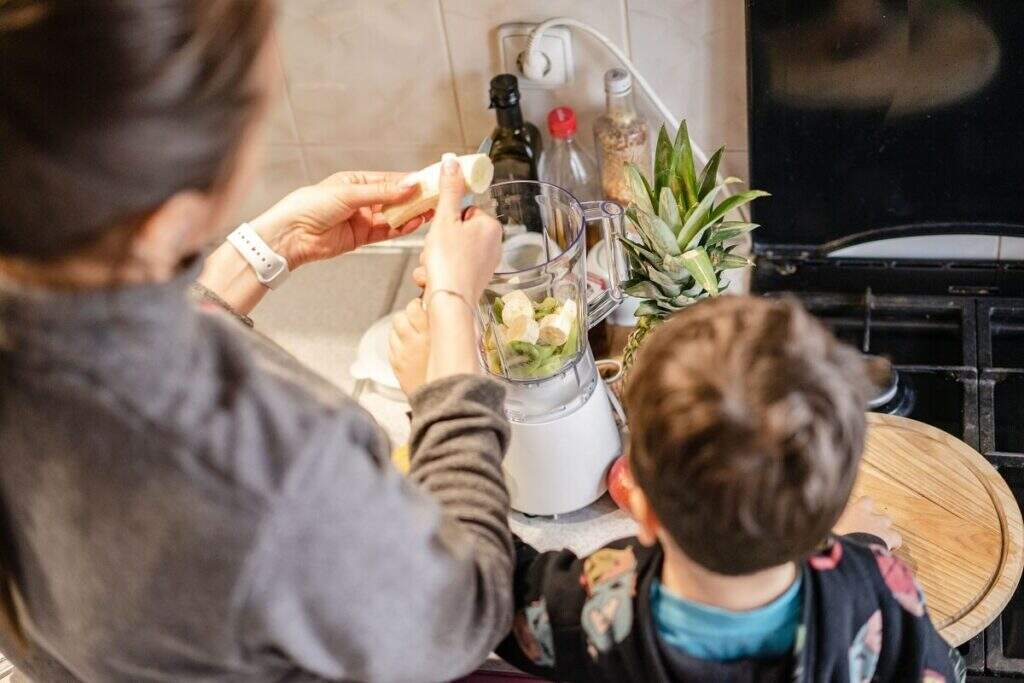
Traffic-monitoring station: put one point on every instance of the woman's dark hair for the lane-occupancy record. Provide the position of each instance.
(107, 109)
(110, 107)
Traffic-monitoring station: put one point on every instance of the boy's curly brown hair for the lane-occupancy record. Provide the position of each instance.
(747, 426)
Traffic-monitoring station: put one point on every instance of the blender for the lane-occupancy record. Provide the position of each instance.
(535, 315)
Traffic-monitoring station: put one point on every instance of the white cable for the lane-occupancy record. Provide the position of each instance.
(533, 49)
(533, 68)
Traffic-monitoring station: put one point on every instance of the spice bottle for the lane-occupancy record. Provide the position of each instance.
(621, 136)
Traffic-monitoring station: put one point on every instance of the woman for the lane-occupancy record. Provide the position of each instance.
(180, 500)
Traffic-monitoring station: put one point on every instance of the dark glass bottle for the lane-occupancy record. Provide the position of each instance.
(516, 144)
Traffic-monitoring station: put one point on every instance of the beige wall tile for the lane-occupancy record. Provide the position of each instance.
(736, 163)
(694, 54)
(281, 123)
(282, 171)
(324, 160)
(369, 71)
(471, 27)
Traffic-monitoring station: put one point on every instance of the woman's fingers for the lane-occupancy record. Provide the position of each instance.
(402, 326)
(357, 195)
(415, 223)
(410, 227)
(417, 315)
(394, 345)
(419, 277)
(363, 177)
(451, 189)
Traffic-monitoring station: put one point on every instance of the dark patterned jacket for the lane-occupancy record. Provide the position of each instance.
(864, 619)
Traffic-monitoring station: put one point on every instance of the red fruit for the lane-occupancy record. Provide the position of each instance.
(620, 482)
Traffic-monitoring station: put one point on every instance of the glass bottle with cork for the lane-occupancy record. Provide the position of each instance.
(621, 136)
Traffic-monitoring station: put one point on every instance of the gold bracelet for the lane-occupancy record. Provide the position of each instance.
(450, 292)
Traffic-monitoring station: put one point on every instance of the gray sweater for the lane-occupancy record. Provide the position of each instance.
(181, 500)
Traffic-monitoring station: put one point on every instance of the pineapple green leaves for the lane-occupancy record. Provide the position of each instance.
(639, 190)
(668, 210)
(709, 176)
(683, 235)
(682, 156)
(698, 263)
(662, 162)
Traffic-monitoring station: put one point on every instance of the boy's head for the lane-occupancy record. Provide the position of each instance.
(747, 425)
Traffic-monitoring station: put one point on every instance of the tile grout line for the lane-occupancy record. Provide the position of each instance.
(626, 30)
(291, 108)
(451, 71)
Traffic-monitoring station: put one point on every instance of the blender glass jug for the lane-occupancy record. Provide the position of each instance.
(537, 310)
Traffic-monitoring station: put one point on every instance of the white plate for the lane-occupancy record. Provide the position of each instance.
(372, 360)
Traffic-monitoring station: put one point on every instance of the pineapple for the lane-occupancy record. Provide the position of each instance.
(683, 234)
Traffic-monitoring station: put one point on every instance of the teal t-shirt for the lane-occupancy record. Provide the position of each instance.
(721, 635)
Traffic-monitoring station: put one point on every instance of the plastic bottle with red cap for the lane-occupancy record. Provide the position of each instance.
(564, 162)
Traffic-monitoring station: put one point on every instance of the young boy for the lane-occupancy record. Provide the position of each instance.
(747, 425)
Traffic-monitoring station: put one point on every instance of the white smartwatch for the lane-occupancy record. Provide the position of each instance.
(271, 268)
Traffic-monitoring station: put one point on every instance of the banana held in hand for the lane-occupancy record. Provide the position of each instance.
(477, 169)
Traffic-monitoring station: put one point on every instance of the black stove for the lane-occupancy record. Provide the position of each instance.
(930, 144)
(958, 364)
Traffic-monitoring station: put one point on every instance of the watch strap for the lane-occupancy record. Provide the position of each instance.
(271, 268)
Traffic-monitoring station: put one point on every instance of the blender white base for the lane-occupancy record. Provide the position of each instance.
(561, 466)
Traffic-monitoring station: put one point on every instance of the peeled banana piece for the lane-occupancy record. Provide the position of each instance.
(516, 304)
(555, 328)
(477, 169)
(522, 329)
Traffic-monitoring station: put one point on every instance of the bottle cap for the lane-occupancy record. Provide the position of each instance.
(617, 81)
(562, 122)
(504, 91)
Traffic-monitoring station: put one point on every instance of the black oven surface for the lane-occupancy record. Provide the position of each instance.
(881, 118)
(869, 116)
(960, 363)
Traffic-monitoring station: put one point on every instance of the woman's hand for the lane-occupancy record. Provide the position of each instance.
(458, 259)
(313, 223)
(861, 517)
(333, 217)
(460, 254)
(409, 346)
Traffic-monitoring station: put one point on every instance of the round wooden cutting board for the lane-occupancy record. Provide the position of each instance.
(961, 526)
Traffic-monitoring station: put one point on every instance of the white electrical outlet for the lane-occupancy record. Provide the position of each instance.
(555, 44)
